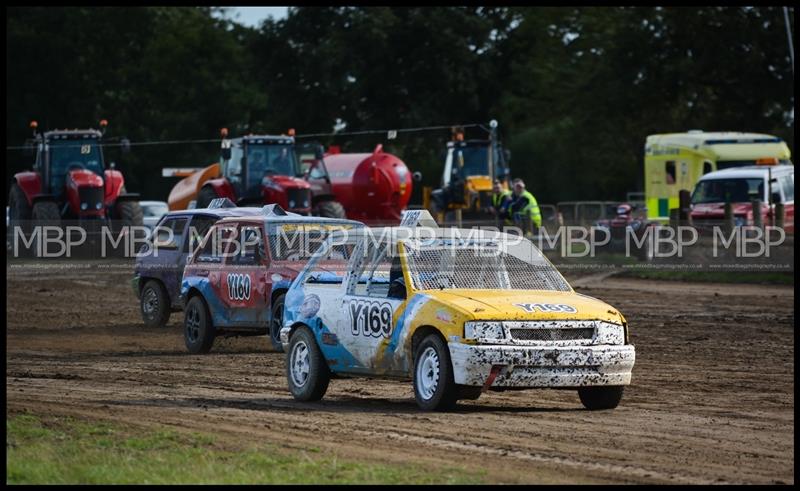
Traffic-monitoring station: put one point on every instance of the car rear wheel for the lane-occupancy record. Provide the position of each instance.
(155, 304)
(198, 330)
(604, 397)
(277, 323)
(306, 371)
(434, 388)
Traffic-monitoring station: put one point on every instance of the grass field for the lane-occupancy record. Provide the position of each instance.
(55, 450)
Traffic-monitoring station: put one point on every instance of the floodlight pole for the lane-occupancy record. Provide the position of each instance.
(789, 36)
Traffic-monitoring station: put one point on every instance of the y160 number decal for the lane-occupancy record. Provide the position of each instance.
(239, 286)
(372, 319)
(546, 307)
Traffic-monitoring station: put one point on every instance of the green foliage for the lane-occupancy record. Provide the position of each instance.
(576, 90)
(70, 451)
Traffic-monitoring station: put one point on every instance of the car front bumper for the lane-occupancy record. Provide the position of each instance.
(537, 366)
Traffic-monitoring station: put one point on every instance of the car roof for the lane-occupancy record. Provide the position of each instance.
(290, 218)
(218, 212)
(749, 171)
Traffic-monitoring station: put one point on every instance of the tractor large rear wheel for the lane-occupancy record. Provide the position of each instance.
(129, 213)
(205, 196)
(19, 208)
(45, 211)
(330, 209)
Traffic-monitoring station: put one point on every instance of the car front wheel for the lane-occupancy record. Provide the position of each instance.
(434, 388)
(155, 305)
(604, 397)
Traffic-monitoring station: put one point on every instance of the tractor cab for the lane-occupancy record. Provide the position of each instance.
(470, 168)
(61, 153)
(264, 169)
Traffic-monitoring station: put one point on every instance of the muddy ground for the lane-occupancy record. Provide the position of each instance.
(711, 399)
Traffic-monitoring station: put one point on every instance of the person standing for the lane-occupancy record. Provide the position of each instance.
(500, 200)
(524, 209)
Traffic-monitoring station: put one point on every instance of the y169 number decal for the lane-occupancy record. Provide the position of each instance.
(239, 286)
(370, 318)
(546, 307)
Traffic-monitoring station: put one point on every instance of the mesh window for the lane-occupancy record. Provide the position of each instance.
(480, 267)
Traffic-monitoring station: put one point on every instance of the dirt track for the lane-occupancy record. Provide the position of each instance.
(711, 400)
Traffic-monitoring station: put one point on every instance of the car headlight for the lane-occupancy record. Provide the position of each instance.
(484, 331)
(609, 333)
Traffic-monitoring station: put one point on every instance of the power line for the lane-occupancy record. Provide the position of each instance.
(390, 134)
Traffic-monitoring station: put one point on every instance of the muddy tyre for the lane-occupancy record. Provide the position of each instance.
(306, 371)
(469, 392)
(277, 323)
(596, 398)
(198, 330)
(330, 209)
(45, 211)
(129, 213)
(434, 388)
(154, 304)
(205, 196)
(18, 207)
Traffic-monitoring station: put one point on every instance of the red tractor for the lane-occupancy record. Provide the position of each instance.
(253, 170)
(70, 181)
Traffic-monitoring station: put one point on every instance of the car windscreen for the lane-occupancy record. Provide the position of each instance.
(265, 160)
(298, 241)
(732, 190)
(481, 264)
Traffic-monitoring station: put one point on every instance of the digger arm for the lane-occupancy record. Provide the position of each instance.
(187, 188)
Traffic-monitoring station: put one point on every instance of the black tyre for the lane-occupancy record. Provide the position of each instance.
(330, 209)
(129, 213)
(595, 398)
(277, 323)
(205, 196)
(198, 329)
(306, 371)
(434, 388)
(469, 392)
(154, 304)
(18, 207)
(45, 211)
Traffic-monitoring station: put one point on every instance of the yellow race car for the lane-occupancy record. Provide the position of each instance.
(458, 311)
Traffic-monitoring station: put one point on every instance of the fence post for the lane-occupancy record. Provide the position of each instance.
(685, 198)
(779, 215)
(757, 219)
(728, 222)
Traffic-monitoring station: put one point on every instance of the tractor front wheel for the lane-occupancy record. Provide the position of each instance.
(205, 196)
(330, 209)
(46, 211)
(129, 213)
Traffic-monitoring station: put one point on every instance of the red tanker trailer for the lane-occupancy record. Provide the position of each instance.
(372, 187)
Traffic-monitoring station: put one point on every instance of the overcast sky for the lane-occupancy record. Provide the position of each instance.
(252, 16)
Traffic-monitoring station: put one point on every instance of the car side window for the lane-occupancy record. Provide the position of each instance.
(250, 246)
(169, 233)
(198, 227)
(376, 272)
(214, 245)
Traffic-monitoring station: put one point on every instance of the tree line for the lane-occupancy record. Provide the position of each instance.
(576, 90)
